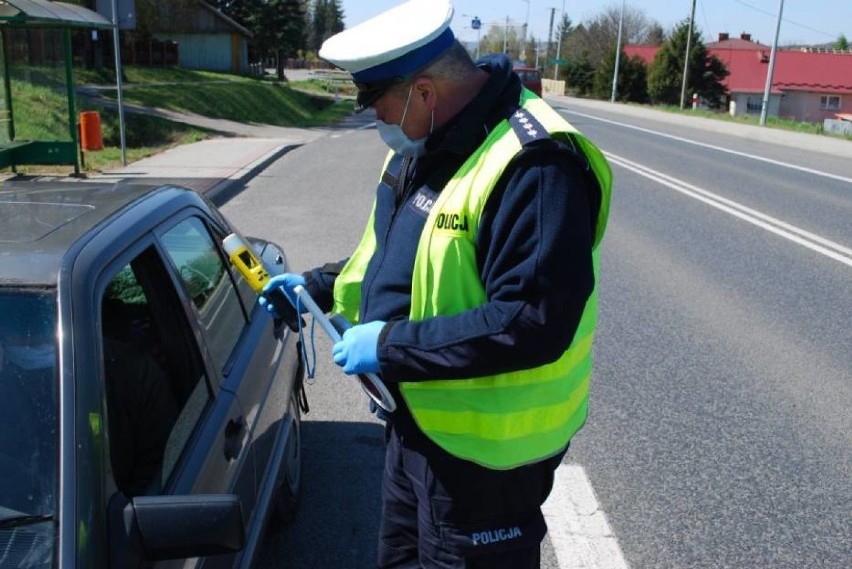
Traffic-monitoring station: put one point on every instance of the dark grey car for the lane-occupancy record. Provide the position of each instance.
(149, 408)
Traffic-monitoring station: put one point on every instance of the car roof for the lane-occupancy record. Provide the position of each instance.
(43, 220)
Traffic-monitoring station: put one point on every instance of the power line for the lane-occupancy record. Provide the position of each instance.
(706, 21)
(797, 24)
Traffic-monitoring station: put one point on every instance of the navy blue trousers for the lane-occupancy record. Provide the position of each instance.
(440, 512)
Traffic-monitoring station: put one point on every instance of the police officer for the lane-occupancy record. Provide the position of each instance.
(473, 290)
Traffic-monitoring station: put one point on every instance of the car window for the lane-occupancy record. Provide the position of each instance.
(28, 409)
(201, 267)
(156, 388)
(529, 76)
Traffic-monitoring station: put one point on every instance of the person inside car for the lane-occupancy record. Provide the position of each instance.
(142, 408)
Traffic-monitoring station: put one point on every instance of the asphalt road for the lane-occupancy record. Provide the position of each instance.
(720, 432)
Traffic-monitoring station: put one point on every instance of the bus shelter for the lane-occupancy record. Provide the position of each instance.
(51, 23)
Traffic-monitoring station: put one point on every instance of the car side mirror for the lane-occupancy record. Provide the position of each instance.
(155, 528)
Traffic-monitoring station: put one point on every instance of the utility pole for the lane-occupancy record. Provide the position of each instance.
(116, 40)
(764, 110)
(686, 62)
(559, 44)
(526, 24)
(550, 35)
(506, 36)
(617, 54)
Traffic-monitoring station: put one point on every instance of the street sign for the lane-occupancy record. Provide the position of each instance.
(558, 62)
(476, 23)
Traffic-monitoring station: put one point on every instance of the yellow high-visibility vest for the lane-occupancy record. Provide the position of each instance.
(506, 420)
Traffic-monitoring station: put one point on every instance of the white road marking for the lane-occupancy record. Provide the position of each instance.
(576, 525)
(714, 147)
(813, 242)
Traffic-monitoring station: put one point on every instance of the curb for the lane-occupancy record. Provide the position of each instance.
(229, 187)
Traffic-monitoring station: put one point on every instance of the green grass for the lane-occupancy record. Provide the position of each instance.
(326, 88)
(42, 114)
(248, 101)
(772, 122)
(41, 108)
(133, 75)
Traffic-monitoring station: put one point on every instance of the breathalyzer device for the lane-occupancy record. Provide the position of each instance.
(251, 267)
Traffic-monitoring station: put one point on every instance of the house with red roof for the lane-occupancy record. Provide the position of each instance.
(807, 85)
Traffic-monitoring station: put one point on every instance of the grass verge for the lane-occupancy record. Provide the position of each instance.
(41, 108)
(772, 122)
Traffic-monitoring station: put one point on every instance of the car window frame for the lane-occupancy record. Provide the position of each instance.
(106, 276)
(213, 230)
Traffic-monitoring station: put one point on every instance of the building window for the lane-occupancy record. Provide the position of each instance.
(829, 103)
(754, 104)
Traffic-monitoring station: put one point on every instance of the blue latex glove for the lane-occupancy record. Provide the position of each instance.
(357, 352)
(286, 282)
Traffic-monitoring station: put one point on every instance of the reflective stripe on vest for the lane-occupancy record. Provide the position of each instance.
(505, 420)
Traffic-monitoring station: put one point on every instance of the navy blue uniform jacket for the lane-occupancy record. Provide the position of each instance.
(534, 253)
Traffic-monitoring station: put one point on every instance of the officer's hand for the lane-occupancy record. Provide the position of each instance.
(285, 282)
(357, 352)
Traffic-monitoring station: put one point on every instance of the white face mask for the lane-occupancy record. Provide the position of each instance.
(32, 357)
(397, 140)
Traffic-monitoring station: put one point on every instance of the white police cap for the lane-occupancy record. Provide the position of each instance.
(386, 49)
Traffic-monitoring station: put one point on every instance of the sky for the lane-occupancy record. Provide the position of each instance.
(804, 21)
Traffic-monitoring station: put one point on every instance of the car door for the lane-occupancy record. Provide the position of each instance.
(148, 388)
(197, 261)
(264, 373)
(260, 365)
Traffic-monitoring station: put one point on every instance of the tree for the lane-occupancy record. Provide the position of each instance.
(580, 76)
(656, 34)
(705, 72)
(501, 38)
(241, 11)
(557, 48)
(279, 29)
(155, 15)
(842, 43)
(326, 19)
(632, 78)
(596, 38)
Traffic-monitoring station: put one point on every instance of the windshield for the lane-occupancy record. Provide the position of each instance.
(29, 427)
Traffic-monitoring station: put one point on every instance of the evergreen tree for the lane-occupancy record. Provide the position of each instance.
(156, 16)
(632, 78)
(241, 11)
(842, 43)
(279, 28)
(705, 72)
(558, 49)
(326, 20)
(580, 76)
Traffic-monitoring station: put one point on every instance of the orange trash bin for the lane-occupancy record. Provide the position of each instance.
(90, 131)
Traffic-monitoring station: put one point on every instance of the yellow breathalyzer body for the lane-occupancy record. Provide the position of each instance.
(246, 261)
(251, 267)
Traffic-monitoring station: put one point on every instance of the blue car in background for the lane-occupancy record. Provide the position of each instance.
(149, 408)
